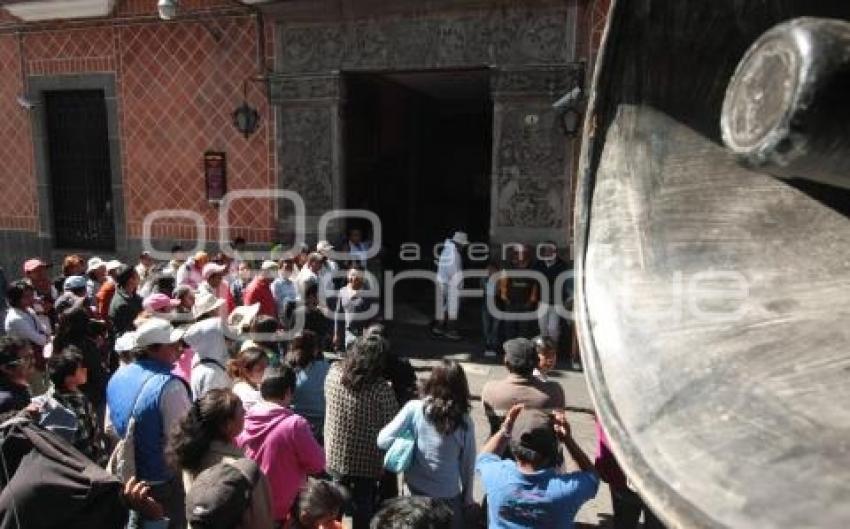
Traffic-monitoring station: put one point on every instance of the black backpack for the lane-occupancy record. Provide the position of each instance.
(47, 483)
(221, 494)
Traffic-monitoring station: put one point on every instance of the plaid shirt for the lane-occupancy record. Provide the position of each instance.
(87, 438)
(352, 423)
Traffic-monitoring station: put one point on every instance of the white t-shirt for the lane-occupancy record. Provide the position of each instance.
(207, 375)
(450, 265)
(247, 394)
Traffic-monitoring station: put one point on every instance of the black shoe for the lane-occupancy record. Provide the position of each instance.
(437, 332)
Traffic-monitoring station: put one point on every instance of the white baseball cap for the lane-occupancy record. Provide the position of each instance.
(94, 263)
(157, 331)
(126, 342)
(270, 266)
(112, 265)
(324, 247)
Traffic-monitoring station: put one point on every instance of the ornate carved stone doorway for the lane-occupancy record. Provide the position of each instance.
(528, 50)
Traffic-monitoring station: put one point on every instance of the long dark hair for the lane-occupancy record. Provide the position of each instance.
(364, 365)
(446, 395)
(204, 424)
(303, 350)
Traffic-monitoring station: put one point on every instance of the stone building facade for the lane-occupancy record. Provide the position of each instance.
(170, 87)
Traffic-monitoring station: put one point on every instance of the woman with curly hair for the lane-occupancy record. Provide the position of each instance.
(205, 437)
(444, 461)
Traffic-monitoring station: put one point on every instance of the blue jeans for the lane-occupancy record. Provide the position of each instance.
(490, 328)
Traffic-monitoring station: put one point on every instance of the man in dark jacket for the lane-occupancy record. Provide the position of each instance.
(126, 305)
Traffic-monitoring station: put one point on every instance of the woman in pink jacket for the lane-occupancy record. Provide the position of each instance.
(281, 441)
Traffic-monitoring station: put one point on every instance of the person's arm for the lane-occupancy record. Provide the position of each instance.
(400, 424)
(535, 294)
(388, 405)
(20, 328)
(339, 323)
(467, 462)
(174, 404)
(504, 287)
(499, 441)
(309, 452)
(564, 433)
(137, 496)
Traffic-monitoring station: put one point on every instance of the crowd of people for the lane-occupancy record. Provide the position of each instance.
(203, 385)
(528, 291)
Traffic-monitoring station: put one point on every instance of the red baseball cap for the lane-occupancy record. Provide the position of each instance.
(32, 264)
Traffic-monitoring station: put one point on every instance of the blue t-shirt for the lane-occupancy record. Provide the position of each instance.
(545, 499)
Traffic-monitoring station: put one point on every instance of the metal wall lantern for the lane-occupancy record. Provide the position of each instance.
(246, 118)
(570, 121)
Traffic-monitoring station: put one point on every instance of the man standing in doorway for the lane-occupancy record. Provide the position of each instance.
(550, 264)
(519, 292)
(449, 283)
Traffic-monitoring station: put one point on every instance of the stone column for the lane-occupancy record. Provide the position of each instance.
(309, 144)
(531, 156)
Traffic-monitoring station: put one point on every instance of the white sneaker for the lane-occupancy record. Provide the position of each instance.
(490, 354)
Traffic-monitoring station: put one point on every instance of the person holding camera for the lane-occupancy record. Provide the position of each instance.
(532, 491)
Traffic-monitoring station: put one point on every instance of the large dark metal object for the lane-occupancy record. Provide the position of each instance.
(786, 109)
(714, 299)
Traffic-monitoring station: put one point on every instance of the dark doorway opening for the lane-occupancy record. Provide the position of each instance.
(418, 154)
(80, 170)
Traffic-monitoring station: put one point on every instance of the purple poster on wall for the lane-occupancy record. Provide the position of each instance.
(215, 172)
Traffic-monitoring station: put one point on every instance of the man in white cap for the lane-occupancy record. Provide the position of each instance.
(96, 273)
(329, 266)
(146, 391)
(449, 283)
(206, 338)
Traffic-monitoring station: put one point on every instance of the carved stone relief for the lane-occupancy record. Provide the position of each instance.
(289, 89)
(504, 37)
(306, 156)
(530, 159)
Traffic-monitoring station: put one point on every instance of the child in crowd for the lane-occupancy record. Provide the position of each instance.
(67, 372)
(547, 356)
(413, 512)
(319, 506)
